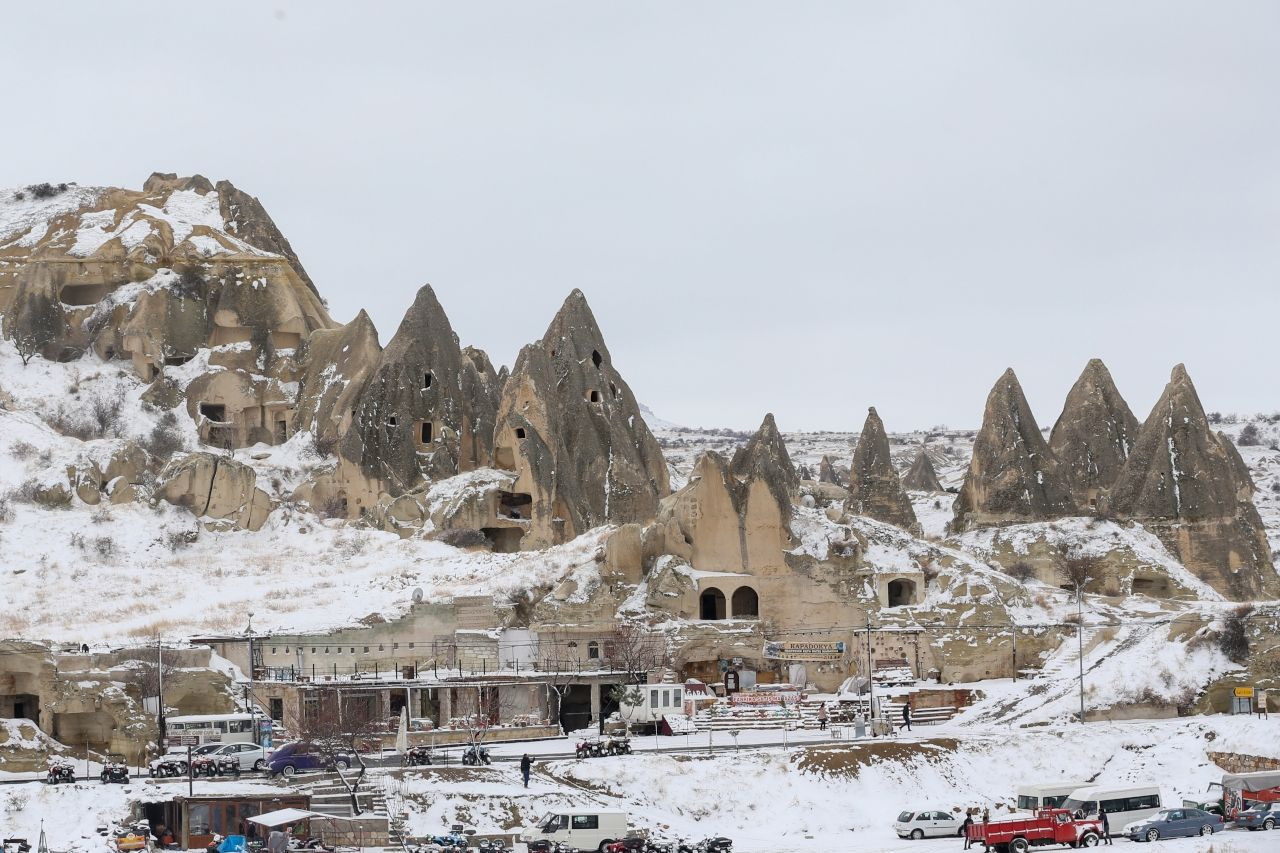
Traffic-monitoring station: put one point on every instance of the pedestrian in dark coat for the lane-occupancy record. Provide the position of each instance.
(1106, 826)
(964, 828)
(906, 716)
(526, 766)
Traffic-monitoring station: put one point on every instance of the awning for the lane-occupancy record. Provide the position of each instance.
(1260, 781)
(281, 817)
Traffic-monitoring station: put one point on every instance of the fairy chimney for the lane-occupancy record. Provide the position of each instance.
(921, 476)
(1094, 435)
(1013, 476)
(874, 488)
(1188, 485)
(572, 431)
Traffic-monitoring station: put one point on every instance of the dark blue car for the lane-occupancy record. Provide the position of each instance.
(1174, 823)
(297, 757)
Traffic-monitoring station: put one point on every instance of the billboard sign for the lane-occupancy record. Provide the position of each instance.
(803, 651)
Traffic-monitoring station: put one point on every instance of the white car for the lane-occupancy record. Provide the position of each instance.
(250, 755)
(926, 823)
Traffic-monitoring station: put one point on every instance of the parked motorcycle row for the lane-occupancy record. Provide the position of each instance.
(612, 745)
(639, 844)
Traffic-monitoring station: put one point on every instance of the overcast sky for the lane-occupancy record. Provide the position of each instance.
(804, 208)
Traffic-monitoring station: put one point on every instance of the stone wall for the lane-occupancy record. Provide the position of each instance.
(1236, 762)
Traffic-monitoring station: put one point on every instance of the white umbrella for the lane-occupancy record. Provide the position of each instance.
(402, 733)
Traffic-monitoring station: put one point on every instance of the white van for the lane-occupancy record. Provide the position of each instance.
(1122, 805)
(581, 829)
(1049, 795)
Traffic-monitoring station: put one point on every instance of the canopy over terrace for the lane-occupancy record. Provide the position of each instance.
(284, 817)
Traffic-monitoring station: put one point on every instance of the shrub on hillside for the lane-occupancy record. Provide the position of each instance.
(462, 537)
(1234, 639)
(1021, 571)
(1249, 436)
(165, 438)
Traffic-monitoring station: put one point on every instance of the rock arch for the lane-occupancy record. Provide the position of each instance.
(712, 604)
(745, 603)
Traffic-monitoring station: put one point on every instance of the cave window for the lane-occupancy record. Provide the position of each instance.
(593, 396)
(746, 603)
(426, 380)
(392, 421)
(596, 359)
(901, 592)
(282, 432)
(517, 505)
(614, 390)
(519, 432)
(214, 412)
(428, 432)
(711, 605)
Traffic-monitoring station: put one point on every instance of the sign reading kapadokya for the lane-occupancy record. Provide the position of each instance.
(803, 651)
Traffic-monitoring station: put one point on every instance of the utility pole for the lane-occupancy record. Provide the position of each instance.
(1080, 646)
(871, 692)
(160, 728)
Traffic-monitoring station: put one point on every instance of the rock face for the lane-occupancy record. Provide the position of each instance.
(1188, 485)
(719, 523)
(874, 489)
(571, 429)
(764, 458)
(426, 412)
(921, 476)
(215, 487)
(1094, 434)
(1013, 476)
(337, 363)
(829, 473)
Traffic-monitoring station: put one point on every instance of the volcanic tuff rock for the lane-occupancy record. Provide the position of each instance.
(571, 429)
(1094, 434)
(828, 473)
(426, 412)
(336, 365)
(874, 489)
(1013, 476)
(77, 262)
(921, 476)
(1189, 486)
(720, 523)
(215, 487)
(764, 457)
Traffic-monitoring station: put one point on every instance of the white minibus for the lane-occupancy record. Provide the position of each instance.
(579, 829)
(1123, 805)
(1049, 795)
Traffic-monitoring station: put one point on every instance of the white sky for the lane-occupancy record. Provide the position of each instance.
(804, 208)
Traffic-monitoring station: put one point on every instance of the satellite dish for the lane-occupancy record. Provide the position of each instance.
(417, 595)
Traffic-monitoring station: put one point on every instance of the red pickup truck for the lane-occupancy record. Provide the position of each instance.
(1047, 826)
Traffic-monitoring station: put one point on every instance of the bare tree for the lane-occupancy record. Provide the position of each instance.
(148, 674)
(336, 728)
(562, 669)
(635, 651)
(1078, 568)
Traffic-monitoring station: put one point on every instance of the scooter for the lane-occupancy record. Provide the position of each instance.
(475, 755)
(60, 772)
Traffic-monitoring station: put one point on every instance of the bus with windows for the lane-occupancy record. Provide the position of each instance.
(1123, 805)
(209, 728)
(1049, 795)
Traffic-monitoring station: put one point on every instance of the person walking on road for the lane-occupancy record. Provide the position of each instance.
(1106, 826)
(526, 766)
(964, 828)
(906, 717)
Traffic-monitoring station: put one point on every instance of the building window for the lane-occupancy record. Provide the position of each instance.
(593, 650)
(411, 645)
(395, 646)
(366, 650)
(326, 650)
(381, 648)
(273, 650)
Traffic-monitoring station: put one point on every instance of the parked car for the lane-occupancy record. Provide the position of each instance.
(296, 756)
(250, 755)
(1174, 823)
(926, 824)
(1259, 816)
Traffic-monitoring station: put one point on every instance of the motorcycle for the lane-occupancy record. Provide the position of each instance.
(474, 756)
(590, 749)
(60, 772)
(418, 755)
(115, 771)
(715, 844)
(492, 845)
(210, 765)
(542, 845)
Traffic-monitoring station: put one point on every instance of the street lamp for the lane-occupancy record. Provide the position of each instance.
(1080, 643)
